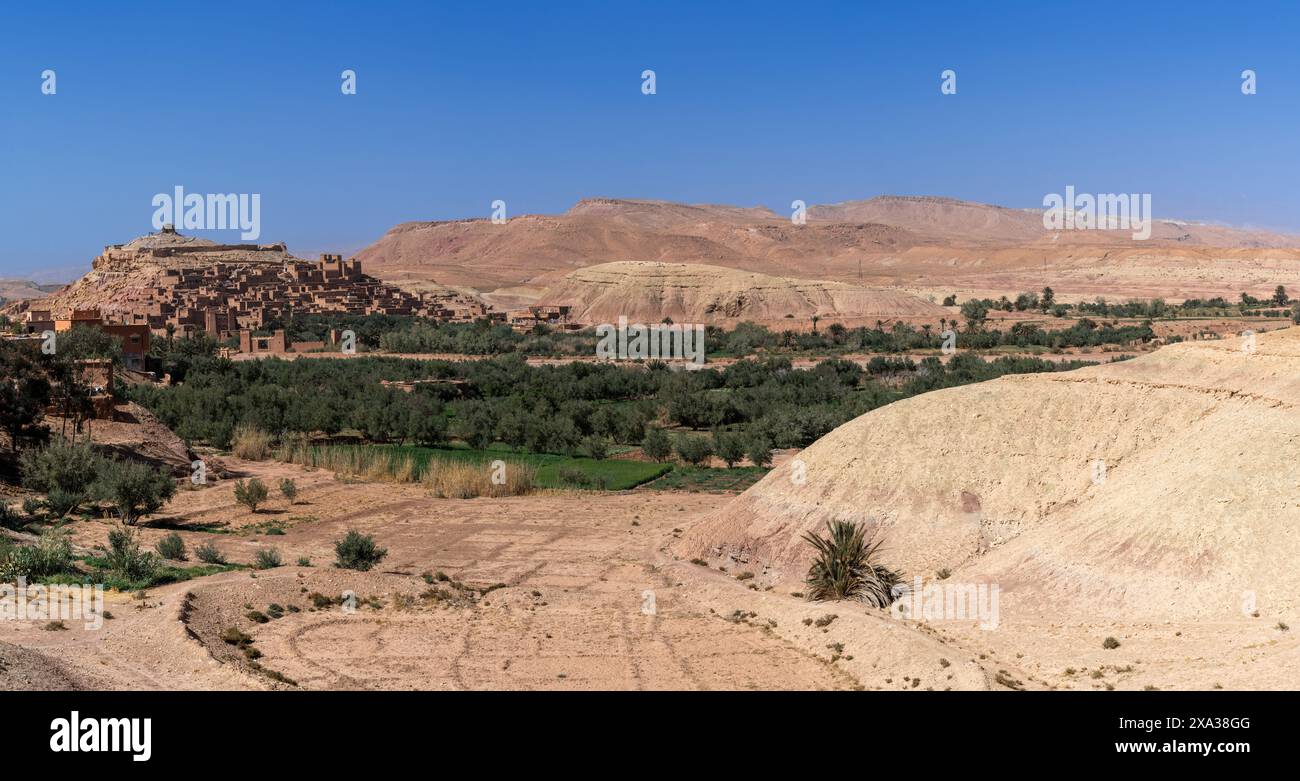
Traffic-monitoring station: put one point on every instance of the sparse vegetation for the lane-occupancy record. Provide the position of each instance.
(289, 490)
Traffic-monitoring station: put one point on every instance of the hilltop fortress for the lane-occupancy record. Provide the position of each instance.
(166, 279)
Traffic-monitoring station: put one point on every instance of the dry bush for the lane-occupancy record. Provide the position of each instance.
(456, 480)
(250, 443)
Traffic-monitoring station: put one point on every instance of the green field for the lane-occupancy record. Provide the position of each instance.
(553, 471)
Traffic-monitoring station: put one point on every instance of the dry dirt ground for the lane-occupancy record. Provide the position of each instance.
(588, 601)
(593, 598)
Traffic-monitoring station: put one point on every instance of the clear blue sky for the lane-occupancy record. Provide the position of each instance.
(539, 104)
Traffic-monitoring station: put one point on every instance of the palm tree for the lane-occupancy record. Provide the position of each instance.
(814, 319)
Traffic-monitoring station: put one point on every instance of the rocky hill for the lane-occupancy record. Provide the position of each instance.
(167, 278)
(697, 293)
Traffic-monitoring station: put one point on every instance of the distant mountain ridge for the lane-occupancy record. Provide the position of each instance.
(912, 241)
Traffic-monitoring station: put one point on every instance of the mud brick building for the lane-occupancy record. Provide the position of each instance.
(165, 281)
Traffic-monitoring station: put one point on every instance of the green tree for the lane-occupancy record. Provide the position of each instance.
(65, 471)
(975, 312)
(135, 490)
(656, 444)
(24, 394)
(693, 450)
(728, 447)
(1280, 297)
(759, 451)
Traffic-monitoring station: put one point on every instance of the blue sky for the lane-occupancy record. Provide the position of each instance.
(539, 104)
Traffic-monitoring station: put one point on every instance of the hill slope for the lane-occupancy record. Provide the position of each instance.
(698, 293)
(935, 244)
(994, 482)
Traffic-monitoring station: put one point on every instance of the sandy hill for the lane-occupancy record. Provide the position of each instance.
(535, 250)
(937, 245)
(995, 482)
(21, 289)
(697, 293)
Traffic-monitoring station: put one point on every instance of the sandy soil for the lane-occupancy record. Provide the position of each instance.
(593, 598)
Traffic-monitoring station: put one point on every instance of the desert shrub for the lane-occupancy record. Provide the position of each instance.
(208, 554)
(51, 555)
(64, 471)
(842, 567)
(289, 489)
(124, 560)
(250, 442)
(358, 551)
(693, 450)
(135, 490)
(1110, 643)
(267, 558)
(304, 561)
(251, 494)
(171, 547)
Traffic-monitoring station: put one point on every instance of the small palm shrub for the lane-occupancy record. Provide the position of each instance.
(251, 494)
(358, 551)
(208, 554)
(171, 547)
(843, 568)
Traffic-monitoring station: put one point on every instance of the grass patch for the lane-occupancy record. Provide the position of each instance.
(698, 479)
(163, 575)
(411, 463)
